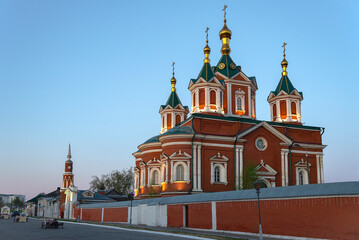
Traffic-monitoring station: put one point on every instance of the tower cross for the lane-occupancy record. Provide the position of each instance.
(224, 10)
(207, 34)
(284, 44)
(173, 68)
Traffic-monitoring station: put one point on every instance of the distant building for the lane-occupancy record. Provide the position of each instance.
(8, 198)
(31, 206)
(49, 205)
(209, 151)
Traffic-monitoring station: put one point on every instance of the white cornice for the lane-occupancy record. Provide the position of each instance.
(269, 128)
(175, 136)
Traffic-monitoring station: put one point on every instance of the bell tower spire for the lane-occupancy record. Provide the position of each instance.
(68, 176)
(285, 101)
(173, 112)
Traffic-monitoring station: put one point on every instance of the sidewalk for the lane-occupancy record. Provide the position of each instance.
(199, 232)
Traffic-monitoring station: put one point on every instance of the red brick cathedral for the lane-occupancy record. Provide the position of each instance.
(210, 150)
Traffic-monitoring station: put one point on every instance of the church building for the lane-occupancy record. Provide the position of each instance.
(209, 150)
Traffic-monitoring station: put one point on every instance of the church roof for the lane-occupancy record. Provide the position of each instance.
(230, 69)
(206, 72)
(35, 199)
(152, 139)
(285, 85)
(179, 130)
(173, 100)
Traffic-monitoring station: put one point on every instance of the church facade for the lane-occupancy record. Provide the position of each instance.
(210, 150)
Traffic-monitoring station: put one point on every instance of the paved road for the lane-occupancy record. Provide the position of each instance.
(32, 230)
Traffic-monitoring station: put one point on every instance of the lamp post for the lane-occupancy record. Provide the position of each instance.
(130, 196)
(257, 186)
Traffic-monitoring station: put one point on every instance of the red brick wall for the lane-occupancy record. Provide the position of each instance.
(92, 214)
(200, 215)
(175, 215)
(115, 214)
(334, 218)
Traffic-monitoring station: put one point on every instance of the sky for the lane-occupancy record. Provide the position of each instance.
(94, 74)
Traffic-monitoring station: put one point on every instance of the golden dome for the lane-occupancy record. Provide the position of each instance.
(225, 32)
(173, 83)
(207, 51)
(284, 64)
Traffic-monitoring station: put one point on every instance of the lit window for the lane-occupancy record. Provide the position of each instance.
(239, 105)
(180, 173)
(217, 174)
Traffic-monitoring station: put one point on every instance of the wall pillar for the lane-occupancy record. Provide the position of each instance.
(289, 111)
(206, 99)
(278, 111)
(237, 169)
(199, 168)
(283, 168)
(196, 108)
(218, 101)
(194, 161)
(229, 99)
(249, 102)
(241, 168)
(214, 216)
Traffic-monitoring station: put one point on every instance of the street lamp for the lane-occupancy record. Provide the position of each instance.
(130, 196)
(257, 186)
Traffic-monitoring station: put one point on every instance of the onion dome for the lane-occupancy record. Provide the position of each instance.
(225, 35)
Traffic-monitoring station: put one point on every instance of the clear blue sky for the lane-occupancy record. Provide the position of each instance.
(94, 73)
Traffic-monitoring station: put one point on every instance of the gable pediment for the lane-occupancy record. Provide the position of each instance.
(153, 161)
(264, 169)
(268, 127)
(218, 157)
(180, 155)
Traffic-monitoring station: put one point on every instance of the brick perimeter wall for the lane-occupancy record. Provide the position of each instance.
(317, 217)
(115, 214)
(92, 214)
(331, 218)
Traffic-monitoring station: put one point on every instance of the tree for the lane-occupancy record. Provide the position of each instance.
(249, 175)
(120, 181)
(1, 203)
(17, 203)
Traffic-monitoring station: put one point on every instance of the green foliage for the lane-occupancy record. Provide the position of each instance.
(152, 193)
(1, 204)
(17, 203)
(249, 175)
(120, 181)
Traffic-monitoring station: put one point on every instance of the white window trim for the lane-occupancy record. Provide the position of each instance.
(240, 94)
(221, 162)
(305, 175)
(152, 169)
(174, 164)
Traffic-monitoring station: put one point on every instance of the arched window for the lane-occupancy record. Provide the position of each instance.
(301, 178)
(178, 119)
(239, 105)
(217, 175)
(213, 97)
(283, 109)
(169, 121)
(155, 178)
(180, 173)
(274, 112)
(293, 107)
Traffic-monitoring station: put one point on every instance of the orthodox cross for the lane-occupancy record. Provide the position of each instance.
(224, 10)
(173, 68)
(207, 34)
(284, 48)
